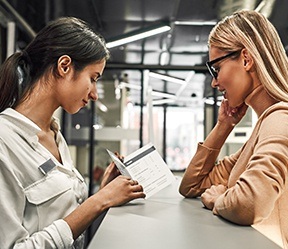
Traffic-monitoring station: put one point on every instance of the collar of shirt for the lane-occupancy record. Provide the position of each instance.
(25, 125)
(29, 130)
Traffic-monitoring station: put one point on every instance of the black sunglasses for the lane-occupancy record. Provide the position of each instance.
(209, 64)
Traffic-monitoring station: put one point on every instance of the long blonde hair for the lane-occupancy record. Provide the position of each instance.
(253, 31)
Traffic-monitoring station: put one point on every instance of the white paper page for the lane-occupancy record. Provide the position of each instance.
(149, 169)
(119, 164)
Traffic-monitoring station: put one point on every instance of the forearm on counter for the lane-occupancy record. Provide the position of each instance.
(82, 217)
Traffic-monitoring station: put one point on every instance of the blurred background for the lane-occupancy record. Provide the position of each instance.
(154, 88)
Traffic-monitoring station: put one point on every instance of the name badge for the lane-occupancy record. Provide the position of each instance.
(47, 166)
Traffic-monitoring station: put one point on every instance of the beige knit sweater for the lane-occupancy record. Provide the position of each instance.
(256, 177)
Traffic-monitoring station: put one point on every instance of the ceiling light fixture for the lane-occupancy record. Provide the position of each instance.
(163, 101)
(166, 78)
(138, 35)
(195, 23)
(163, 95)
(266, 7)
(101, 106)
(129, 85)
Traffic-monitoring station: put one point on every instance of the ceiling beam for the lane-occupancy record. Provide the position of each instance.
(125, 66)
(18, 18)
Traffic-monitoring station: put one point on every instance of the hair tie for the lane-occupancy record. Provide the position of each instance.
(26, 57)
(21, 77)
(23, 71)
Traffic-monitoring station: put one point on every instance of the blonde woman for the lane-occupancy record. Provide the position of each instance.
(249, 66)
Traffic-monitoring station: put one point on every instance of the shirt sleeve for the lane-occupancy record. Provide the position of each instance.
(12, 205)
(57, 235)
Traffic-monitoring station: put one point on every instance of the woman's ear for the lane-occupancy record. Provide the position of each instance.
(247, 59)
(64, 65)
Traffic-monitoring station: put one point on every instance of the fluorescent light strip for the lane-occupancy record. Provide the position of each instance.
(183, 87)
(211, 102)
(166, 78)
(129, 85)
(139, 36)
(195, 23)
(163, 101)
(164, 95)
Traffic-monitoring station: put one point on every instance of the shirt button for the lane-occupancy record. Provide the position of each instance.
(80, 200)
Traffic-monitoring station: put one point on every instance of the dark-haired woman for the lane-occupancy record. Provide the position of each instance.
(44, 200)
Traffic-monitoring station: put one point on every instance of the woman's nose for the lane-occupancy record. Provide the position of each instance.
(93, 95)
(214, 83)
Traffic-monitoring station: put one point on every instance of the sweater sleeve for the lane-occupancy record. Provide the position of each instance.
(258, 188)
(203, 171)
(253, 196)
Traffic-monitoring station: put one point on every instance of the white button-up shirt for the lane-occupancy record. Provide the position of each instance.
(36, 190)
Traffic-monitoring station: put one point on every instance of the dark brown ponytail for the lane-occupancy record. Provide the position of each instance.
(9, 80)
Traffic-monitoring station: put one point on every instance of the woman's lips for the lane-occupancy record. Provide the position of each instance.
(85, 102)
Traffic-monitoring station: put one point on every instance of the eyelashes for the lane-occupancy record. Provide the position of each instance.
(94, 80)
